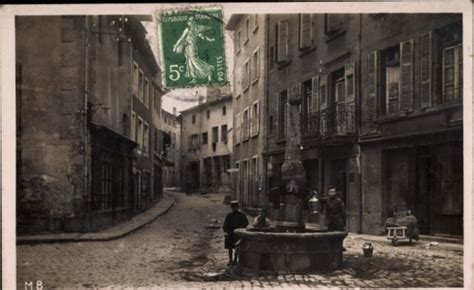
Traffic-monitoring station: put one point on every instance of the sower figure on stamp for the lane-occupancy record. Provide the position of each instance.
(234, 220)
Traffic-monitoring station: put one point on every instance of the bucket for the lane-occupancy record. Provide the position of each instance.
(368, 250)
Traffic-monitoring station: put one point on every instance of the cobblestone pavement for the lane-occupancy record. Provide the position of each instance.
(184, 248)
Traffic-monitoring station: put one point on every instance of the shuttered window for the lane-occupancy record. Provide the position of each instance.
(305, 35)
(333, 23)
(255, 65)
(323, 91)
(246, 76)
(452, 74)
(315, 94)
(406, 76)
(426, 70)
(372, 85)
(255, 118)
(282, 53)
(238, 127)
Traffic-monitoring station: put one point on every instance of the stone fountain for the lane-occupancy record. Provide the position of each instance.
(290, 246)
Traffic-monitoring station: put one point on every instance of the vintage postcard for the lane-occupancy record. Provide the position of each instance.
(237, 145)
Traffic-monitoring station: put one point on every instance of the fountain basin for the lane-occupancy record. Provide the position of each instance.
(290, 252)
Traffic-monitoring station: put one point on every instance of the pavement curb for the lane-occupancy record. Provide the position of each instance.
(106, 235)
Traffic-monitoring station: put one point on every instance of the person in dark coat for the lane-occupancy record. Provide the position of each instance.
(335, 212)
(188, 187)
(234, 220)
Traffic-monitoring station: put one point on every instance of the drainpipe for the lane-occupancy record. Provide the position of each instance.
(267, 109)
(85, 114)
(359, 123)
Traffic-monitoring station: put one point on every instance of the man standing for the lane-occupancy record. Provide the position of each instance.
(234, 220)
(335, 212)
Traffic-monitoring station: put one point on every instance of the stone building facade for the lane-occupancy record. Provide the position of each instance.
(249, 108)
(83, 107)
(172, 153)
(381, 112)
(206, 142)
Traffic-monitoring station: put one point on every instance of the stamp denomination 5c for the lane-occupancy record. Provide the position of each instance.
(193, 48)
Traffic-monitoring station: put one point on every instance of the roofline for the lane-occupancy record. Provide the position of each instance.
(206, 104)
(234, 19)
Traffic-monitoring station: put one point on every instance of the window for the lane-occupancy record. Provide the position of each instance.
(246, 124)
(452, 73)
(246, 76)
(146, 138)
(238, 128)
(140, 86)
(255, 123)
(282, 40)
(139, 136)
(224, 133)
(156, 147)
(223, 111)
(305, 32)
(255, 22)
(194, 119)
(247, 28)
(215, 134)
(194, 141)
(390, 71)
(255, 176)
(208, 114)
(282, 114)
(145, 93)
(255, 73)
(307, 97)
(238, 36)
(135, 79)
(333, 23)
(204, 138)
(133, 125)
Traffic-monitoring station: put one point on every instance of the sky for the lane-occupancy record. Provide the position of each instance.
(172, 99)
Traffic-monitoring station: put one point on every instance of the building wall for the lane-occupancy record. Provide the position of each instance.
(172, 127)
(249, 96)
(357, 158)
(384, 133)
(74, 127)
(195, 155)
(51, 162)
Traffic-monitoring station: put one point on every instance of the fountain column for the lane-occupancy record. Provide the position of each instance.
(293, 178)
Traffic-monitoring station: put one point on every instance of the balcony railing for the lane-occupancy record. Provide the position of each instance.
(334, 121)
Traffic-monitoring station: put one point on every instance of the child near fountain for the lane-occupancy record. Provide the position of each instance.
(335, 212)
(234, 220)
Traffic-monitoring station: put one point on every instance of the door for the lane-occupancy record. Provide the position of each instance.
(423, 197)
(338, 177)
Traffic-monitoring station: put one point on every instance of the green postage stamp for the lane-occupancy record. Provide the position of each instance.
(192, 49)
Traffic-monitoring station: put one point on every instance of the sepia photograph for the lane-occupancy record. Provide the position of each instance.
(254, 146)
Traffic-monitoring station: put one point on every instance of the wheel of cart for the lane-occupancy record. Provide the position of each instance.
(395, 234)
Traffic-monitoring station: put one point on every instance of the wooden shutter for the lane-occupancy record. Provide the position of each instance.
(372, 68)
(323, 91)
(459, 73)
(315, 94)
(426, 70)
(251, 121)
(257, 121)
(350, 90)
(406, 75)
(305, 30)
(282, 40)
(237, 127)
(350, 82)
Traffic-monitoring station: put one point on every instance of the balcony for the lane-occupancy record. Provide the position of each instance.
(332, 124)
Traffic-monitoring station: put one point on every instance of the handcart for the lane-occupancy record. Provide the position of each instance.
(402, 226)
(395, 234)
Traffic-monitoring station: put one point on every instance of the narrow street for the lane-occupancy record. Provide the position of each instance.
(184, 248)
